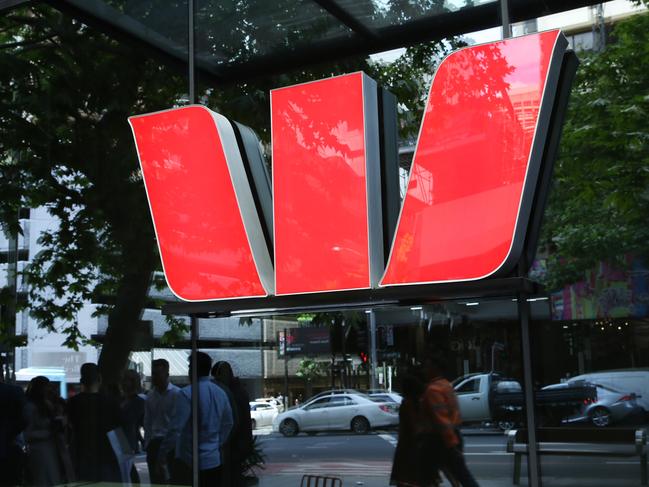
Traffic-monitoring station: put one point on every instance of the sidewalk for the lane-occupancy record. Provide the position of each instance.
(294, 481)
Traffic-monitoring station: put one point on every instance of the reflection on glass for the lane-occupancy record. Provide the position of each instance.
(258, 27)
(462, 204)
(316, 391)
(594, 338)
(204, 246)
(386, 13)
(319, 162)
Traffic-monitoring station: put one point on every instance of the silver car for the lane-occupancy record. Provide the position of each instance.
(386, 396)
(356, 412)
(611, 406)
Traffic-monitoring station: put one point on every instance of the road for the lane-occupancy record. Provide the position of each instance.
(366, 460)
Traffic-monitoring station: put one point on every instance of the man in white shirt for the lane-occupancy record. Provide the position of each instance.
(159, 412)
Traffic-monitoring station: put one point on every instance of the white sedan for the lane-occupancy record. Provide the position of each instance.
(262, 414)
(356, 412)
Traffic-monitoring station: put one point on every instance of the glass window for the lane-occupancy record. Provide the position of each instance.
(337, 401)
(320, 403)
(469, 387)
(382, 398)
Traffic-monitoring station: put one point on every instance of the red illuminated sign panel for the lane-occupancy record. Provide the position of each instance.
(464, 216)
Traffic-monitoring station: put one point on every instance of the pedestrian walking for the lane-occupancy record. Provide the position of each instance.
(132, 410)
(442, 420)
(12, 402)
(214, 426)
(92, 415)
(410, 468)
(159, 413)
(40, 435)
(239, 447)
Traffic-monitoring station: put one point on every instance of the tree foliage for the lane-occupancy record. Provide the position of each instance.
(309, 369)
(600, 201)
(66, 93)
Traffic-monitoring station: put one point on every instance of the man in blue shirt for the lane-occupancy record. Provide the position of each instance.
(214, 427)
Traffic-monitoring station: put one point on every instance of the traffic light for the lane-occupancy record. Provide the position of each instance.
(361, 339)
(363, 357)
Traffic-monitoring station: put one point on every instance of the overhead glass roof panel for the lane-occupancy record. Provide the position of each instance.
(235, 31)
(168, 19)
(383, 13)
(244, 39)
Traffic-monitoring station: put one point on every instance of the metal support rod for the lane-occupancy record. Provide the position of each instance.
(191, 54)
(194, 382)
(262, 334)
(533, 465)
(504, 17)
(373, 355)
(287, 402)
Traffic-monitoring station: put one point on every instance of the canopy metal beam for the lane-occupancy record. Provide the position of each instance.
(346, 18)
(363, 299)
(364, 41)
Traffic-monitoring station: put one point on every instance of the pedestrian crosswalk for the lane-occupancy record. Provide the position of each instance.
(392, 439)
(262, 431)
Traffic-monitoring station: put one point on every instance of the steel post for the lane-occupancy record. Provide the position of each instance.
(194, 382)
(533, 464)
(373, 354)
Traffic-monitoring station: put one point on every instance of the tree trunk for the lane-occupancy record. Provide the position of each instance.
(124, 318)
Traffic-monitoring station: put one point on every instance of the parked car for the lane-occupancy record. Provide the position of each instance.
(262, 414)
(356, 412)
(632, 381)
(272, 401)
(609, 407)
(334, 391)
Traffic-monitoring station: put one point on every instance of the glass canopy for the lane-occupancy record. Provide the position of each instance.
(242, 39)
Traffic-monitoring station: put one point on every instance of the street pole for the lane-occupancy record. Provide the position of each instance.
(191, 52)
(533, 465)
(194, 382)
(286, 398)
(262, 365)
(373, 355)
(191, 57)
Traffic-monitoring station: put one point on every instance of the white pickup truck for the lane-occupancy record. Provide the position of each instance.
(491, 397)
(474, 394)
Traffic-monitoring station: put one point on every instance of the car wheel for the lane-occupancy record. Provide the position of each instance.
(601, 417)
(253, 423)
(289, 427)
(360, 425)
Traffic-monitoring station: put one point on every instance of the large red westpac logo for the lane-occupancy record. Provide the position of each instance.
(465, 211)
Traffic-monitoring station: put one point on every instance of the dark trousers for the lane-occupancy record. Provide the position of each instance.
(152, 452)
(182, 475)
(455, 465)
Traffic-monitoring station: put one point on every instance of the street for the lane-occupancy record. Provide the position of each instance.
(367, 459)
